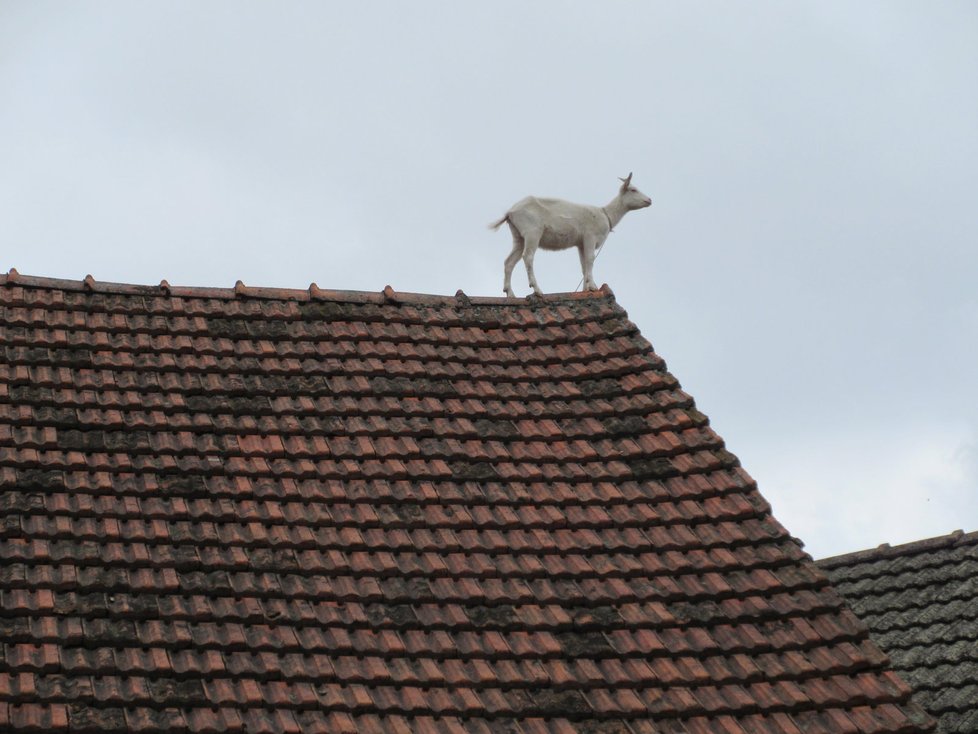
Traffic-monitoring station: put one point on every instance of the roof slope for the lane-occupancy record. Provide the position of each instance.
(265, 510)
(919, 601)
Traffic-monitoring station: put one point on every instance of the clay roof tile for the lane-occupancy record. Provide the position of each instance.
(271, 509)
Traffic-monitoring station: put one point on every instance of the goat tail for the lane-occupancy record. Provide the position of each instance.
(497, 225)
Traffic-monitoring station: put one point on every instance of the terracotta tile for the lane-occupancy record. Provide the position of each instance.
(38, 717)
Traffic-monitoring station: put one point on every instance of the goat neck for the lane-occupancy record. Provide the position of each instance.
(615, 210)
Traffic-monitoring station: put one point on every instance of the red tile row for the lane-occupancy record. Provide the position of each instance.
(706, 567)
(721, 494)
(413, 590)
(375, 527)
(29, 433)
(698, 487)
(46, 718)
(427, 587)
(284, 397)
(84, 408)
(420, 470)
(174, 620)
(200, 608)
(306, 373)
(158, 311)
(677, 702)
(383, 525)
(624, 658)
(170, 469)
(189, 373)
(383, 448)
(391, 507)
(886, 718)
(228, 336)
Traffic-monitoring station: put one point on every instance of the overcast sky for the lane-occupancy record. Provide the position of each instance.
(807, 269)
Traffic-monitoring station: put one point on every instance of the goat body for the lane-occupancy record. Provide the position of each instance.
(554, 224)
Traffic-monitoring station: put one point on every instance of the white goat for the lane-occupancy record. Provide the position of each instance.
(554, 224)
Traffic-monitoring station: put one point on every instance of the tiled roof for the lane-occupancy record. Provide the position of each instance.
(266, 510)
(920, 601)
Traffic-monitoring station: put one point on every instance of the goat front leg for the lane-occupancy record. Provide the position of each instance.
(587, 263)
(529, 250)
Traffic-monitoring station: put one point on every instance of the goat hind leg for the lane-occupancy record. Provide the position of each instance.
(529, 250)
(510, 263)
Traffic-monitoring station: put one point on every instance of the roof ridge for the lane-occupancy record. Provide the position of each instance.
(312, 293)
(886, 551)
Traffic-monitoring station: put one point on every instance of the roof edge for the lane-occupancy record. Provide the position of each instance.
(312, 293)
(887, 551)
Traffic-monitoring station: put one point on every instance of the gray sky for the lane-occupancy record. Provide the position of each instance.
(807, 267)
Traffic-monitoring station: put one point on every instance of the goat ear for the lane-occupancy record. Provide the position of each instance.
(626, 182)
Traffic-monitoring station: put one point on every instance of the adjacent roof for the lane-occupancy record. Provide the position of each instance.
(920, 601)
(265, 510)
